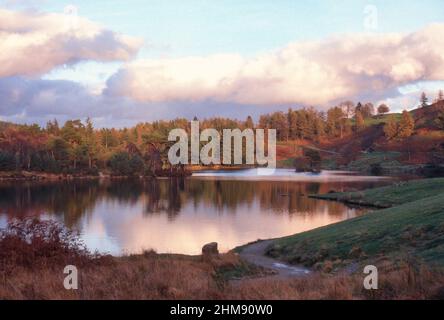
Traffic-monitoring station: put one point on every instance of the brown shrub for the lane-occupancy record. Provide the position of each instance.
(31, 243)
(37, 273)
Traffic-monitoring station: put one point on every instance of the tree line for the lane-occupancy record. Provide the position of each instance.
(79, 148)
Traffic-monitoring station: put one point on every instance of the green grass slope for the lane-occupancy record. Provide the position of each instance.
(396, 194)
(414, 229)
(364, 163)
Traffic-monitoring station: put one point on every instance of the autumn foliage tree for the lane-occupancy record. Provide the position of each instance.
(359, 121)
(439, 121)
(249, 123)
(402, 129)
(406, 125)
(337, 123)
(391, 128)
(383, 109)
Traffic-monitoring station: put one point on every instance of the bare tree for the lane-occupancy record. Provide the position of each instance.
(348, 107)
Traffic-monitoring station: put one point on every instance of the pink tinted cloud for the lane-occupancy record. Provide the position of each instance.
(313, 72)
(33, 43)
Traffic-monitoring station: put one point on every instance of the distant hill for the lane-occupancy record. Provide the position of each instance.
(425, 117)
(367, 148)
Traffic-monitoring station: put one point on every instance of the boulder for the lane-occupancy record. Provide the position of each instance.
(210, 249)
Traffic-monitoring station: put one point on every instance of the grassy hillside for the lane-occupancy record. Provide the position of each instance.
(381, 119)
(364, 163)
(355, 151)
(412, 229)
(425, 117)
(396, 194)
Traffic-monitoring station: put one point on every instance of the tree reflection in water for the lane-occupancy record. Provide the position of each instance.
(73, 199)
(177, 215)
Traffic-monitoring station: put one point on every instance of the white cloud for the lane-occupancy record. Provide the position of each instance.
(37, 101)
(353, 66)
(410, 95)
(32, 43)
(366, 67)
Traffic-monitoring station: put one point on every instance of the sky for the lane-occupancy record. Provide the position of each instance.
(123, 62)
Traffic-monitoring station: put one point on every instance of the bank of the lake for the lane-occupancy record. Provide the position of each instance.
(410, 228)
(23, 175)
(47, 176)
(34, 270)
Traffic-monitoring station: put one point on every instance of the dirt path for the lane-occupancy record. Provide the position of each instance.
(255, 253)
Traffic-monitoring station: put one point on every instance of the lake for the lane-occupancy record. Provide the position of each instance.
(181, 215)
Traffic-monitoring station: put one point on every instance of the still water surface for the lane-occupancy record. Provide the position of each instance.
(181, 215)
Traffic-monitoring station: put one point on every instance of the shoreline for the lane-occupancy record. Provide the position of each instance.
(45, 176)
(407, 214)
(359, 203)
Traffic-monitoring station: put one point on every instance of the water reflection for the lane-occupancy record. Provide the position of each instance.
(178, 215)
